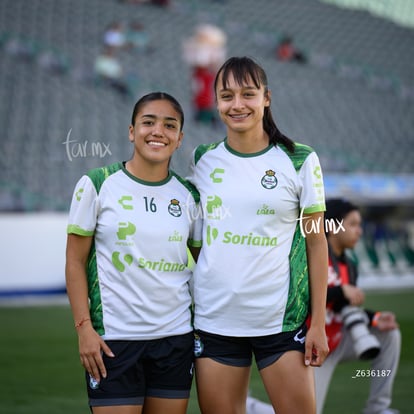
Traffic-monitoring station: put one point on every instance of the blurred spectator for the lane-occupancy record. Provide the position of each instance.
(114, 36)
(204, 51)
(137, 37)
(54, 62)
(203, 95)
(21, 49)
(286, 51)
(109, 70)
(206, 47)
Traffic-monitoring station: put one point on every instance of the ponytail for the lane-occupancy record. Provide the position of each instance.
(275, 136)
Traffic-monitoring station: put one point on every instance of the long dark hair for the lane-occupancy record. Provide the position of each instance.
(158, 96)
(243, 70)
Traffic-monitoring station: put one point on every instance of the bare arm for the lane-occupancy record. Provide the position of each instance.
(90, 343)
(317, 253)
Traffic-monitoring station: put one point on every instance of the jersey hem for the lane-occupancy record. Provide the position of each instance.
(144, 337)
(247, 333)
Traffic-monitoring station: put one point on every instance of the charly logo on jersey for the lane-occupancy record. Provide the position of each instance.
(269, 180)
(318, 184)
(215, 175)
(78, 194)
(317, 172)
(174, 208)
(125, 202)
(249, 239)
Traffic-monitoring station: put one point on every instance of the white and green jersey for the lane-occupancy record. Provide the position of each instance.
(251, 277)
(138, 275)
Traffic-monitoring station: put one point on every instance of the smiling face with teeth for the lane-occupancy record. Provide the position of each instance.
(241, 105)
(156, 134)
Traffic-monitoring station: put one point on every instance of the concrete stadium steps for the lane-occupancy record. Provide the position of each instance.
(337, 103)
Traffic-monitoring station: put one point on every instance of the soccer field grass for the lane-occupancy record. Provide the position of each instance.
(41, 373)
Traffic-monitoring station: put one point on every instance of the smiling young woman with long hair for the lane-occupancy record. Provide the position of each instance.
(257, 276)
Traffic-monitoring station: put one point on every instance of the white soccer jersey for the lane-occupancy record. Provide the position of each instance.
(138, 279)
(251, 277)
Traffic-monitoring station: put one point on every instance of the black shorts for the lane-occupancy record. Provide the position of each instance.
(238, 351)
(161, 368)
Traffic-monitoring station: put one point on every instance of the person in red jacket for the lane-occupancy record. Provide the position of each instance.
(354, 332)
(204, 101)
(286, 51)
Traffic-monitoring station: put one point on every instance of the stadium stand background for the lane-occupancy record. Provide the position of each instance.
(353, 102)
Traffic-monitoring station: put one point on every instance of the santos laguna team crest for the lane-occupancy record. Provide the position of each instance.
(269, 180)
(174, 208)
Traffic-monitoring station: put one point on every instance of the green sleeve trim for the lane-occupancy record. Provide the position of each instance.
(314, 209)
(203, 148)
(190, 187)
(99, 175)
(299, 156)
(75, 229)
